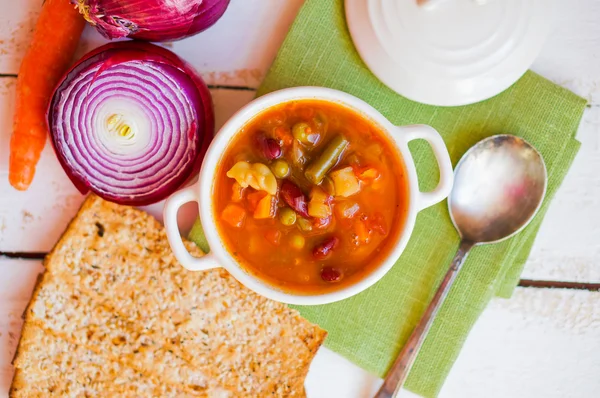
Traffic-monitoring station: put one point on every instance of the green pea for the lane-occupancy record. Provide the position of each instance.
(287, 216)
(280, 168)
(301, 131)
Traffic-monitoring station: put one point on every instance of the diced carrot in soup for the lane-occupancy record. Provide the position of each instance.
(273, 236)
(329, 218)
(362, 233)
(234, 215)
(366, 174)
(237, 192)
(266, 207)
(253, 198)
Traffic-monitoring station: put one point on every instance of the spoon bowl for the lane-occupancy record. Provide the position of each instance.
(499, 186)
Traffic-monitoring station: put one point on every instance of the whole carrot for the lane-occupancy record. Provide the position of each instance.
(50, 53)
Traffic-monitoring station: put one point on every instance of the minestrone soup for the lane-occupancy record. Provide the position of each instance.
(310, 196)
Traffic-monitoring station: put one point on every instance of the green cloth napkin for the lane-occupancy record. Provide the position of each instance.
(370, 328)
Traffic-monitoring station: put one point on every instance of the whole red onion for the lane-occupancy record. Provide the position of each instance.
(130, 122)
(152, 20)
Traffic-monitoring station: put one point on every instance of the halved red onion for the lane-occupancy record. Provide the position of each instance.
(152, 20)
(131, 122)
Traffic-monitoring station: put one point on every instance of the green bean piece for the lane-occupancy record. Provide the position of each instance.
(287, 216)
(315, 172)
(301, 131)
(280, 168)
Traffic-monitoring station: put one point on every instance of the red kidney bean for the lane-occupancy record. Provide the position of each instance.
(331, 274)
(294, 197)
(273, 150)
(269, 147)
(321, 251)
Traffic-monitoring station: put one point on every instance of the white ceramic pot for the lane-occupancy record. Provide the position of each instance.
(202, 191)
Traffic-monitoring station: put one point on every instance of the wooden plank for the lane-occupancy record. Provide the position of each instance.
(32, 221)
(236, 51)
(16, 26)
(569, 57)
(17, 278)
(241, 46)
(542, 342)
(34, 218)
(568, 245)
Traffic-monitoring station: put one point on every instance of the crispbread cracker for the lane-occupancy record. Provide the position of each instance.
(114, 291)
(51, 371)
(73, 315)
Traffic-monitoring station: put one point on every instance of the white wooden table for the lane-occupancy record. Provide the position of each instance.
(541, 343)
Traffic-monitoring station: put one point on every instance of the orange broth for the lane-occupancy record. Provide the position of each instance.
(314, 254)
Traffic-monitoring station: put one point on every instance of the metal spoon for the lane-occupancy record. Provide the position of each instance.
(498, 187)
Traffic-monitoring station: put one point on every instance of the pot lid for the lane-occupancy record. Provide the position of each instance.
(449, 52)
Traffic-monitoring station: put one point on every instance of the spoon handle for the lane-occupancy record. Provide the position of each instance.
(398, 373)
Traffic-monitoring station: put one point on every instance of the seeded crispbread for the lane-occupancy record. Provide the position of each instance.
(114, 289)
(66, 369)
(72, 314)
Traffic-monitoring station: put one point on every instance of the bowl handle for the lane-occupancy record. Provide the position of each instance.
(405, 134)
(172, 205)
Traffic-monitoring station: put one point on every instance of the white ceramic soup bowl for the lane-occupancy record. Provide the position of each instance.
(202, 193)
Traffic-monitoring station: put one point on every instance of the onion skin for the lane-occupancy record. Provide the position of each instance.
(151, 20)
(129, 71)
